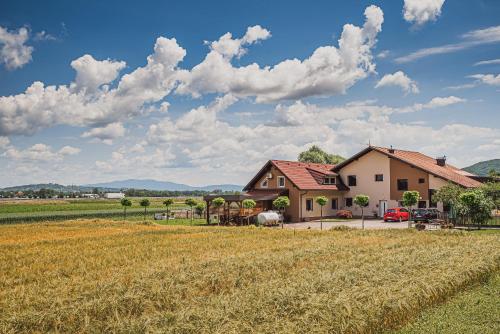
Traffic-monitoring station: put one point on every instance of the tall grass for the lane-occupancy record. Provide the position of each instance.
(102, 276)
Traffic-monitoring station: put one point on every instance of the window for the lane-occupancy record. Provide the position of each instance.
(402, 184)
(329, 180)
(351, 180)
(403, 210)
(264, 183)
(421, 180)
(348, 202)
(422, 204)
(335, 204)
(309, 204)
(281, 182)
(379, 177)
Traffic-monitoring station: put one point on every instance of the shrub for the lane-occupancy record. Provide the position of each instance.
(344, 214)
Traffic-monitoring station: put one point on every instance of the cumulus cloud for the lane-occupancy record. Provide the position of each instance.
(419, 12)
(400, 79)
(40, 152)
(91, 73)
(106, 134)
(14, 53)
(44, 36)
(468, 40)
(328, 71)
(43, 106)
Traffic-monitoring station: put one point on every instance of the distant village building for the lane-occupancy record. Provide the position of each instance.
(114, 195)
(90, 195)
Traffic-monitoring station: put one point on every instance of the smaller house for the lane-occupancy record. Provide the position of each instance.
(114, 195)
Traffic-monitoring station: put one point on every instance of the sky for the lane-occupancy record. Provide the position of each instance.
(202, 92)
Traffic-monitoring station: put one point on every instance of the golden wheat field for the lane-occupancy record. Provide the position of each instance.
(92, 276)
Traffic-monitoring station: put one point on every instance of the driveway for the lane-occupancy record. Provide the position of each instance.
(372, 224)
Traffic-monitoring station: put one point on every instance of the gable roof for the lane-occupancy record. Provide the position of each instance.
(305, 176)
(420, 161)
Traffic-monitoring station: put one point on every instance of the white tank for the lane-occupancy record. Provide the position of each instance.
(268, 218)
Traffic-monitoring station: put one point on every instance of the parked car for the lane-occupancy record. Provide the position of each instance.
(396, 214)
(424, 215)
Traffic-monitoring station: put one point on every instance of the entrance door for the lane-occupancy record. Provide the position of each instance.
(382, 206)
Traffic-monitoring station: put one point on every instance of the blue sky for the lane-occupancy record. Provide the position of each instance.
(80, 102)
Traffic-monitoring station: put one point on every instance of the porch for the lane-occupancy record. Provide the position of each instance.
(232, 212)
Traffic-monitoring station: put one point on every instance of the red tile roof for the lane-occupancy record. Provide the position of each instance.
(423, 162)
(307, 176)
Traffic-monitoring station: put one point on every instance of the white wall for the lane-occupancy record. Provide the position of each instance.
(365, 169)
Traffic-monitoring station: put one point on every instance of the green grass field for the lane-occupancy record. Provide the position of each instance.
(44, 210)
(91, 276)
(475, 310)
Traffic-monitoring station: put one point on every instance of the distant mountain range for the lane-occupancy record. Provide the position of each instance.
(125, 184)
(162, 185)
(482, 168)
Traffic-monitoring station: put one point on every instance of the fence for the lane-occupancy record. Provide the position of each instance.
(466, 221)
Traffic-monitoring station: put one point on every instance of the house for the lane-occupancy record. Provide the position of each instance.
(383, 174)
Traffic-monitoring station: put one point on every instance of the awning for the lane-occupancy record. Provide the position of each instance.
(256, 195)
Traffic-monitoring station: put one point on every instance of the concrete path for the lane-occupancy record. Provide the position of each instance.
(355, 223)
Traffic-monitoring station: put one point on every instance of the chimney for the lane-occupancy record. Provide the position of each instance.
(441, 161)
(391, 150)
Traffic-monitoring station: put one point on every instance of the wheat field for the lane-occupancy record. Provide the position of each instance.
(92, 276)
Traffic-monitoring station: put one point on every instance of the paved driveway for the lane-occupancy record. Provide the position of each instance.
(372, 224)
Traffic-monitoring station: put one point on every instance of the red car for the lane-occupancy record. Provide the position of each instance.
(396, 214)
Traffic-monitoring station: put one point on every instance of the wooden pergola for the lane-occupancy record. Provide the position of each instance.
(239, 215)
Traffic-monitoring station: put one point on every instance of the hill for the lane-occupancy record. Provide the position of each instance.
(483, 167)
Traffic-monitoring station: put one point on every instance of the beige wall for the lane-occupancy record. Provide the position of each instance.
(365, 169)
(327, 209)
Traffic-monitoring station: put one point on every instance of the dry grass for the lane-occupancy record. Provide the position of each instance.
(104, 276)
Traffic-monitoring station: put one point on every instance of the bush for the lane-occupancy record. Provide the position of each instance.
(344, 214)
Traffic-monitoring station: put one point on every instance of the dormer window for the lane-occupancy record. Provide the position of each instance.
(264, 183)
(329, 180)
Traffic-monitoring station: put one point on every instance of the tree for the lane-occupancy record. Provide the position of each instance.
(448, 194)
(191, 202)
(492, 191)
(248, 203)
(125, 202)
(199, 208)
(168, 203)
(218, 203)
(475, 205)
(145, 203)
(281, 203)
(362, 201)
(321, 201)
(410, 198)
(493, 173)
(317, 155)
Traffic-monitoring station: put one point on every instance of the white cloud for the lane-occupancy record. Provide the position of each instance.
(40, 152)
(44, 36)
(4, 142)
(106, 134)
(419, 12)
(469, 39)
(488, 62)
(400, 79)
(14, 53)
(383, 54)
(43, 106)
(91, 73)
(328, 71)
(436, 102)
(488, 79)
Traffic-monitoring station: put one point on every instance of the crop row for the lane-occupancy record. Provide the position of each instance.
(53, 216)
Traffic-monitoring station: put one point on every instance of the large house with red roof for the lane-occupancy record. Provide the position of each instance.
(383, 174)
